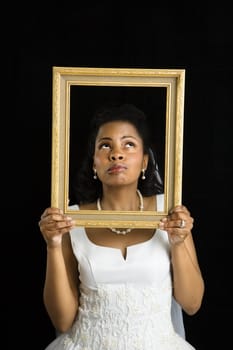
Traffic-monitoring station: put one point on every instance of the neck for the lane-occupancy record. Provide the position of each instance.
(121, 204)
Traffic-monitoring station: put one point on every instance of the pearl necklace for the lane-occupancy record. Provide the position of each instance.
(123, 232)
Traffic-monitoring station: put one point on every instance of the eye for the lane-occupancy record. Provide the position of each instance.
(104, 145)
(129, 144)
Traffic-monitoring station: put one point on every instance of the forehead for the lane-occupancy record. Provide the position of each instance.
(124, 128)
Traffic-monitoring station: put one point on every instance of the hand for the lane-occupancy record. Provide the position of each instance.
(53, 225)
(178, 224)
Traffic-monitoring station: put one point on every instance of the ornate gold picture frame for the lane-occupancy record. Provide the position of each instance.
(83, 86)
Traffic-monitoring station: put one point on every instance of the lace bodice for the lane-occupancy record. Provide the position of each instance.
(122, 316)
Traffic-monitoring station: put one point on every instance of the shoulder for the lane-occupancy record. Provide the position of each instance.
(160, 202)
(155, 202)
(87, 206)
(73, 207)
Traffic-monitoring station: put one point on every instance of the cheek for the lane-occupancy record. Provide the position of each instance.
(98, 160)
(137, 159)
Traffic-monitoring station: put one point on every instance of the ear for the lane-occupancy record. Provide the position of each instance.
(145, 161)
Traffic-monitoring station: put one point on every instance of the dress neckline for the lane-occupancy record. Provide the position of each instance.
(127, 248)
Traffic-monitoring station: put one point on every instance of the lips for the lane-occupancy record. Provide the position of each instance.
(115, 169)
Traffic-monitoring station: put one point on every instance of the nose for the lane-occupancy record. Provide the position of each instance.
(116, 155)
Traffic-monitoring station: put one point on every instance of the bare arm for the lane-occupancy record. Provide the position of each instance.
(61, 281)
(188, 282)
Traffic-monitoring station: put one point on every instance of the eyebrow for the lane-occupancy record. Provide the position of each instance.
(122, 138)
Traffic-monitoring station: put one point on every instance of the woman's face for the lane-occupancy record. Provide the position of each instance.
(118, 157)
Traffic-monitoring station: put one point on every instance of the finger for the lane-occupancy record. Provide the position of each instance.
(56, 224)
(50, 211)
(52, 231)
(179, 209)
(180, 226)
(58, 218)
(180, 219)
(176, 226)
(52, 218)
(171, 223)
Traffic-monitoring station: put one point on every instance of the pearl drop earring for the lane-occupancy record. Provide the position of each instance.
(143, 174)
(95, 174)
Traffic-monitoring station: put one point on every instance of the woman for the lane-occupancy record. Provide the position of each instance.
(114, 288)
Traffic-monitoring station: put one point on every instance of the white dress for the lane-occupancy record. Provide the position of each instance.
(125, 303)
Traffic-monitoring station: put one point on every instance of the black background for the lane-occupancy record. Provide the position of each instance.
(197, 38)
(151, 101)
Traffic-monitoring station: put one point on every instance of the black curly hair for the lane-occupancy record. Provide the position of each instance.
(86, 189)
